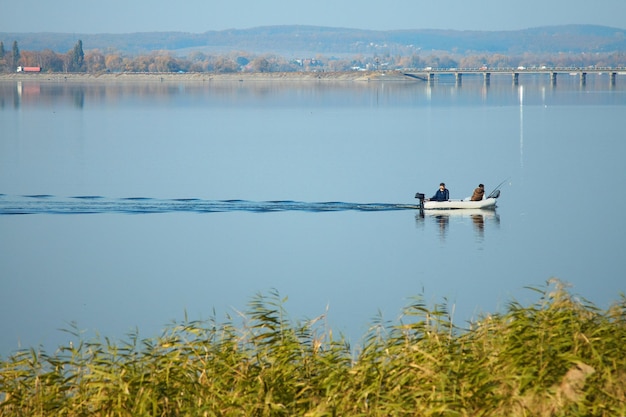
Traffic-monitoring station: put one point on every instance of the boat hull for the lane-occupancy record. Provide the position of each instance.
(488, 203)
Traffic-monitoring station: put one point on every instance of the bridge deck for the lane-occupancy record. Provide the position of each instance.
(428, 74)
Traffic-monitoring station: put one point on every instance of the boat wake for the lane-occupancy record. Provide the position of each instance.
(49, 204)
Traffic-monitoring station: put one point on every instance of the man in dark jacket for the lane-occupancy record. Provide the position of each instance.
(442, 194)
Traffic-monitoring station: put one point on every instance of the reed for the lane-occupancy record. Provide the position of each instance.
(559, 356)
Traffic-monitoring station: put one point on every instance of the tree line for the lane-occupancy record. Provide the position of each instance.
(98, 61)
(49, 61)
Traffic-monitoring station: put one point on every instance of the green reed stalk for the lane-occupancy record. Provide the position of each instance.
(560, 356)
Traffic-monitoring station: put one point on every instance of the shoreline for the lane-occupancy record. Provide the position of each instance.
(206, 76)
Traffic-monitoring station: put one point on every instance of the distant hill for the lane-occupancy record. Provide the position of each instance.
(312, 40)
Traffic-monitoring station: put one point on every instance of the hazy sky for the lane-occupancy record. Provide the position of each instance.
(125, 16)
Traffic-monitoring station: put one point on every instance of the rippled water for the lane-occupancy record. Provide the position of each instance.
(47, 204)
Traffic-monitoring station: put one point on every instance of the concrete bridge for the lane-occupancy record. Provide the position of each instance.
(432, 74)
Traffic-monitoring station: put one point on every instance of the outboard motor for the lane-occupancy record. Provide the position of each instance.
(420, 197)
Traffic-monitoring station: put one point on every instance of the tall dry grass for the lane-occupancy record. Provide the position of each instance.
(560, 356)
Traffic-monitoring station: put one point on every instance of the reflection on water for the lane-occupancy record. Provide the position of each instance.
(479, 223)
(309, 93)
(441, 219)
(442, 222)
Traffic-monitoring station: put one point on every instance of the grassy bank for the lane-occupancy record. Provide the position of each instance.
(560, 356)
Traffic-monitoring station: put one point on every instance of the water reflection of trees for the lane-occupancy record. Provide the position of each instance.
(219, 93)
(165, 91)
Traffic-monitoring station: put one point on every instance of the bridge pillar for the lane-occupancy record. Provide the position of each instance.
(458, 77)
(431, 77)
(515, 78)
(583, 78)
(553, 78)
(613, 77)
(487, 78)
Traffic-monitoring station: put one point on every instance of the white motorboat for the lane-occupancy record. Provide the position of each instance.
(487, 203)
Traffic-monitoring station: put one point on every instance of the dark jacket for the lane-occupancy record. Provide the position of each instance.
(441, 195)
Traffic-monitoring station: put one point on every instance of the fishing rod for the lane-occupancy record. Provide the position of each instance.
(496, 192)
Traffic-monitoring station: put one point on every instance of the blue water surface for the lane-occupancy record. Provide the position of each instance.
(128, 206)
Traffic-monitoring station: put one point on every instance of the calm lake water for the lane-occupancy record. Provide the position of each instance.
(146, 202)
